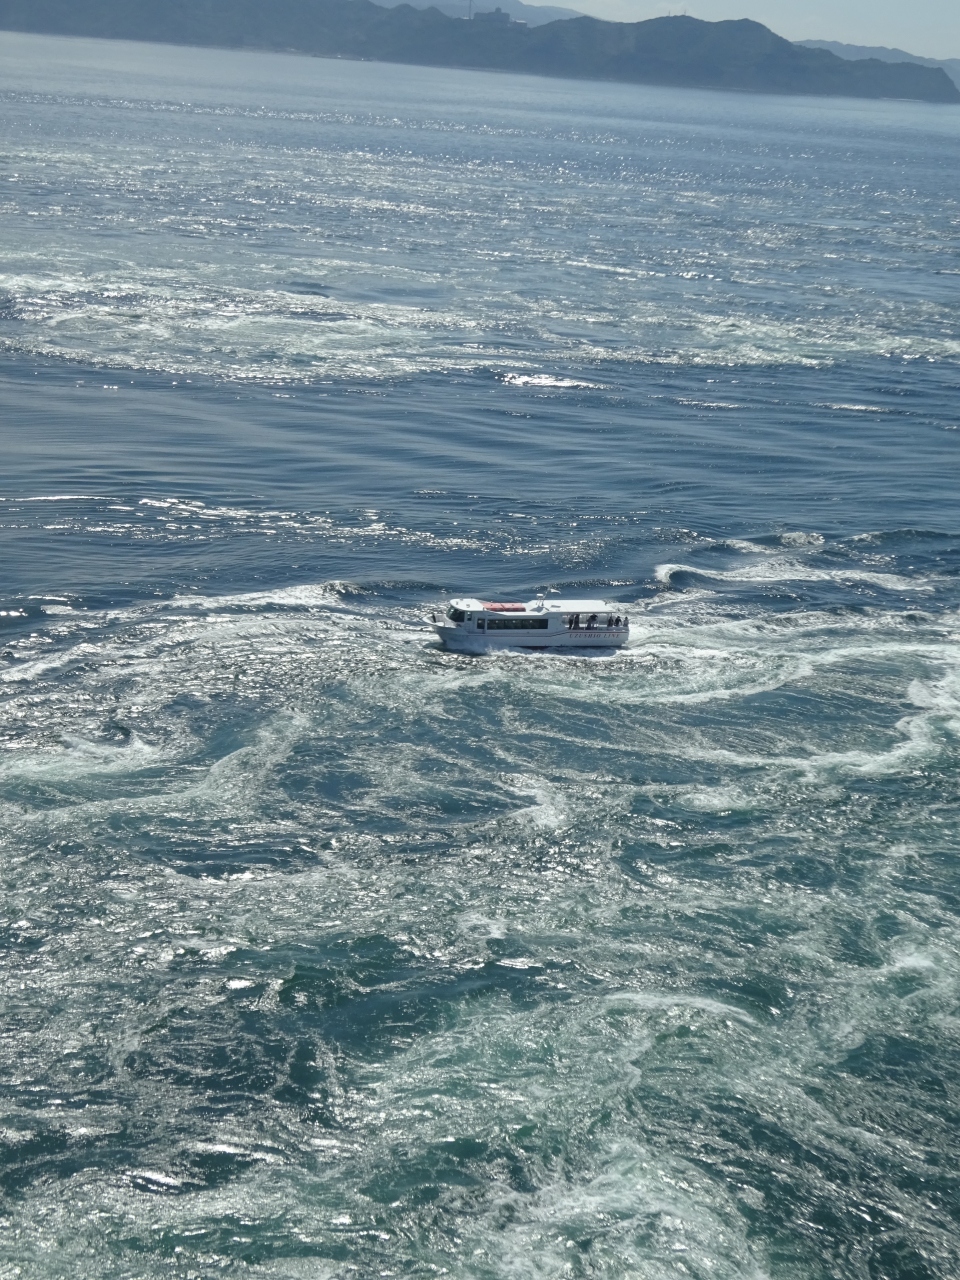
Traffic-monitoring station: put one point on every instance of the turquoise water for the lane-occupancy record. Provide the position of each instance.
(330, 954)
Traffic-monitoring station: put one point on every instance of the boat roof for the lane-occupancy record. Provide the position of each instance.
(550, 604)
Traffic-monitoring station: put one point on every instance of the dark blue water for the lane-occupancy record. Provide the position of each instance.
(330, 954)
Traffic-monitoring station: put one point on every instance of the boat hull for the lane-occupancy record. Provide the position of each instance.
(460, 641)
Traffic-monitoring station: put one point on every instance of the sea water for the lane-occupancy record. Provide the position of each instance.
(330, 954)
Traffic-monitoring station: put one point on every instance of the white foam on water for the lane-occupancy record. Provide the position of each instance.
(683, 650)
(81, 757)
(668, 1226)
(28, 671)
(783, 570)
(747, 547)
(548, 380)
(550, 810)
(856, 408)
(237, 782)
(365, 302)
(573, 1088)
(652, 1000)
(708, 404)
(924, 738)
(308, 595)
(798, 538)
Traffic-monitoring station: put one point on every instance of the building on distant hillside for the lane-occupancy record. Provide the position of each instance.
(498, 16)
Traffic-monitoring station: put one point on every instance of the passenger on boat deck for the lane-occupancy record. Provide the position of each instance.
(591, 621)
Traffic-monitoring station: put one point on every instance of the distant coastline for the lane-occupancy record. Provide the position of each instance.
(672, 51)
(857, 52)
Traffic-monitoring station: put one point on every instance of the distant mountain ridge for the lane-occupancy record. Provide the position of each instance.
(679, 51)
(534, 15)
(856, 52)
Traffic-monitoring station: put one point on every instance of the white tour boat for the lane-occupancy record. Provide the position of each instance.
(477, 626)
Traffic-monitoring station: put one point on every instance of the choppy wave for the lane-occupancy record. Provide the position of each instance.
(179, 327)
(781, 569)
(297, 241)
(486, 965)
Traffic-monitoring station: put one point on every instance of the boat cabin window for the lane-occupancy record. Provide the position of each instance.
(517, 624)
(455, 615)
(593, 621)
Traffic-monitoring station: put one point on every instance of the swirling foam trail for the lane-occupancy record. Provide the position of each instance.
(477, 963)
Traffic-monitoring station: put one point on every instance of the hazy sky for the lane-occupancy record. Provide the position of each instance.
(928, 27)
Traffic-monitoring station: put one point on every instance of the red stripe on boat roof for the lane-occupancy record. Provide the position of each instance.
(501, 607)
